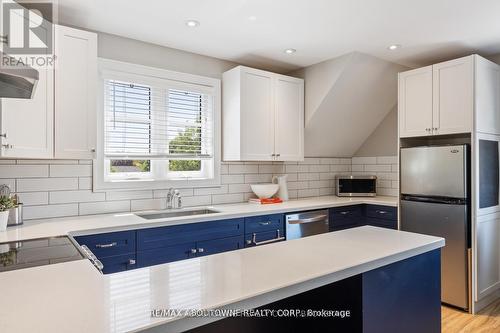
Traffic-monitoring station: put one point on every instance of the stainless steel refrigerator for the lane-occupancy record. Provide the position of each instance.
(435, 201)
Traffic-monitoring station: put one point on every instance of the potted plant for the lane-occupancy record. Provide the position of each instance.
(6, 203)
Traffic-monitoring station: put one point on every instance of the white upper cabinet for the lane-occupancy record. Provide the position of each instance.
(75, 93)
(415, 102)
(27, 124)
(263, 116)
(289, 119)
(438, 99)
(453, 89)
(487, 96)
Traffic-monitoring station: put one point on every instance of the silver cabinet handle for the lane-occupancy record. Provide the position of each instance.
(344, 213)
(265, 223)
(7, 146)
(104, 246)
(254, 239)
(93, 259)
(193, 251)
(435, 129)
(3, 135)
(309, 220)
(381, 212)
(131, 261)
(278, 155)
(201, 250)
(92, 150)
(273, 155)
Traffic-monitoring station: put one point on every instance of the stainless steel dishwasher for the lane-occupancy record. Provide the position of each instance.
(305, 224)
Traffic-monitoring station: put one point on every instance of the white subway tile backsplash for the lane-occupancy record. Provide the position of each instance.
(232, 179)
(49, 211)
(34, 198)
(201, 200)
(148, 204)
(85, 183)
(46, 184)
(79, 170)
(210, 190)
(24, 171)
(364, 160)
(243, 168)
(227, 198)
(55, 188)
(128, 195)
(88, 208)
(57, 197)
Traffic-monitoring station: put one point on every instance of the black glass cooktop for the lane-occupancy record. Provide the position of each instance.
(37, 252)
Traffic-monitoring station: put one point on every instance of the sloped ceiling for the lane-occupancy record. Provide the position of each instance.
(346, 98)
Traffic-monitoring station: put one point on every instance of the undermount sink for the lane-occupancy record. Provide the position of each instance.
(176, 213)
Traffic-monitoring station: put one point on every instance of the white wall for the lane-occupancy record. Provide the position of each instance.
(384, 139)
(346, 99)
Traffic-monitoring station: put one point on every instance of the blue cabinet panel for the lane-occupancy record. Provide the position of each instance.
(205, 248)
(109, 244)
(264, 223)
(118, 263)
(154, 238)
(166, 254)
(262, 236)
(346, 217)
(382, 212)
(391, 224)
(404, 296)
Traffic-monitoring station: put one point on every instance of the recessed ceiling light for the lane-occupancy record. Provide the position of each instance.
(252, 18)
(290, 51)
(394, 47)
(192, 23)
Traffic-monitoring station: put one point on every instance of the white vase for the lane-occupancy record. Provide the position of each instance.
(4, 217)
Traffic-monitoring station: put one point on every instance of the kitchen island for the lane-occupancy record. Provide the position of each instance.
(389, 280)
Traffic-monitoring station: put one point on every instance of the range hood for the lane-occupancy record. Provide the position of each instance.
(16, 81)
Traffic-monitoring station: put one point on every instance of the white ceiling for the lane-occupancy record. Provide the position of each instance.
(428, 30)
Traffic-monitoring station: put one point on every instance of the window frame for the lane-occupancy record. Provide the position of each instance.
(155, 77)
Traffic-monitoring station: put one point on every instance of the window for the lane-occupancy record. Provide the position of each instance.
(158, 127)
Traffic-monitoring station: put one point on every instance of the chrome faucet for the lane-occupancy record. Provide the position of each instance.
(172, 195)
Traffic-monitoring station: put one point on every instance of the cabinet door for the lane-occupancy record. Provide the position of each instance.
(453, 88)
(289, 119)
(257, 115)
(488, 255)
(415, 102)
(75, 93)
(487, 96)
(213, 246)
(28, 124)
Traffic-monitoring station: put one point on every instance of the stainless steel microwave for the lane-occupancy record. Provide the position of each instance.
(356, 186)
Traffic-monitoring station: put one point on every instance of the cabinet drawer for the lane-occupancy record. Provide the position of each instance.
(383, 223)
(205, 248)
(345, 216)
(118, 263)
(109, 244)
(161, 237)
(382, 212)
(264, 223)
(165, 254)
(262, 237)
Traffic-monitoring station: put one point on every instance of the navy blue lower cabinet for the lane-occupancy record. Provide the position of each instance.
(213, 246)
(390, 224)
(166, 254)
(118, 263)
(404, 296)
(264, 223)
(264, 237)
(345, 217)
(110, 243)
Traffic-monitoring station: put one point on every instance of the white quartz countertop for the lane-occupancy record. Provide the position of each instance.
(75, 297)
(106, 223)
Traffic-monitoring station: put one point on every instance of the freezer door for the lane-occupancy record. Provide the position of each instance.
(434, 171)
(449, 222)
